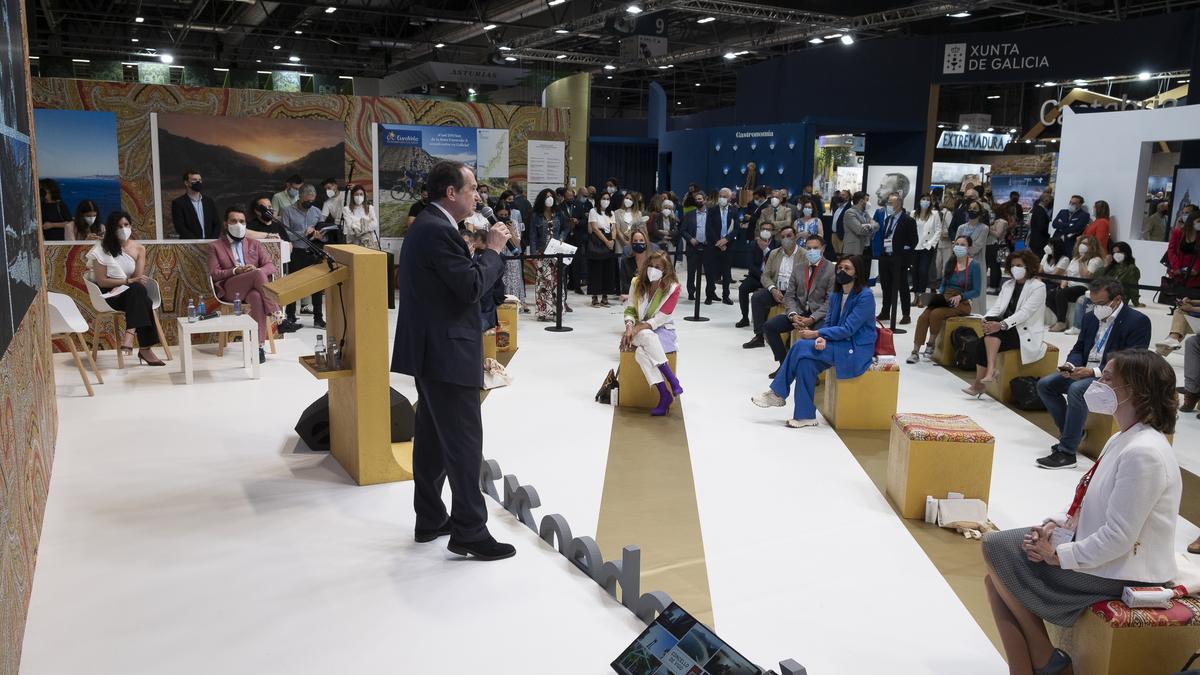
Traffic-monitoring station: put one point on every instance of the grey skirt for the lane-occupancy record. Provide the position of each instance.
(1052, 593)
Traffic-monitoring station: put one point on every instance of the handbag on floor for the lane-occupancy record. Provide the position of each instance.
(607, 388)
(1024, 394)
(965, 342)
(494, 375)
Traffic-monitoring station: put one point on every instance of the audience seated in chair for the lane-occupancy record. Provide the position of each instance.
(1087, 263)
(117, 265)
(1110, 327)
(1015, 322)
(649, 329)
(776, 280)
(759, 249)
(806, 300)
(961, 283)
(846, 341)
(239, 267)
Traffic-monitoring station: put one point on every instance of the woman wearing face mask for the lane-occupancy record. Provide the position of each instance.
(845, 341)
(1183, 267)
(639, 252)
(240, 267)
(1055, 260)
(808, 223)
(117, 265)
(85, 225)
(978, 230)
(1099, 227)
(1124, 269)
(360, 224)
(545, 221)
(629, 219)
(931, 228)
(649, 329)
(1119, 525)
(514, 281)
(962, 282)
(1084, 265)
(1016, 321)
(663, 223)
(601, 251)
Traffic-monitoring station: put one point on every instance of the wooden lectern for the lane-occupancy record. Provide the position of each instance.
(359, 393)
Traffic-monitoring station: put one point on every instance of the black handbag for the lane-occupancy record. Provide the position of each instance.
(1024, 394)
(965, 342)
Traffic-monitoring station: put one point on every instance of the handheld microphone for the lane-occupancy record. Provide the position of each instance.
(488, 213)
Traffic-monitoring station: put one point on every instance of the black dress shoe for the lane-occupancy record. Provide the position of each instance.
(756, 341)
(742, 324)
(708, 301)
(262, 355)
(319, 323)
(484, 549)
(727, 301)
(426, 536)
(1059, 661)
(904, 321)
(882, 316)
(288, 326)
(1057, 460)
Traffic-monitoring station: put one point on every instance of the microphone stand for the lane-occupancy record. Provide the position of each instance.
(312, 248)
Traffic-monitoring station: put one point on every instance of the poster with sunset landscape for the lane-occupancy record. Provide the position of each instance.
(240, 158)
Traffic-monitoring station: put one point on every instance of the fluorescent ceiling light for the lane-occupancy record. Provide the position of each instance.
(633, 9)
(959, 15)
(294, 59)
(490, 26)
(277, 47)
(833, 36)
(663, 67)
(1108, 77)
(1047, 84)
(505, 48)
(167, 58)
(1080, 81)
(562, 31)
(742, 53)
(847, 40)
(555, 3)
(134, 40)
(816, 41)
(609, 66)
(510, 58)
(345, 77)
(139, 20)
(561, 56)
(264, 72)
(729, 56)
(439, 45)
(1143, 75)
(991, 129)
(330, 10)
(966, 127)
(80, 61)
(707, 19)
(993, 97)
(221, 70)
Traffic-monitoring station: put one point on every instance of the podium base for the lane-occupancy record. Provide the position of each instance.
(559, 329)
(695, 318)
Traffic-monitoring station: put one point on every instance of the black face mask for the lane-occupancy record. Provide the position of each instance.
(974, 214)
(639, 248)
(197, 186)
(843, 277)
(305, 205)
(264, 214)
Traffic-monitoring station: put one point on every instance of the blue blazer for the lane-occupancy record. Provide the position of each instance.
(1070, 225)
(439, 330)
(1131, 330)
(849, 332)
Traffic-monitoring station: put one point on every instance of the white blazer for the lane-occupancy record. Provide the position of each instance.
(1028, 319)
(1127, 522)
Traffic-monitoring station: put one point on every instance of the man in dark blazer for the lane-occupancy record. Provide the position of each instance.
(806, 301)
(1108, 328)
(439, 342)
(899, 232)
(1070, 222)
(721, 226)
(693, 235)
(194, 214)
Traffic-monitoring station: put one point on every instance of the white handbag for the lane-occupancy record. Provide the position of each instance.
(494, 375)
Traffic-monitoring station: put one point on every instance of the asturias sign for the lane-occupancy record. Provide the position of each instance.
(965, 140)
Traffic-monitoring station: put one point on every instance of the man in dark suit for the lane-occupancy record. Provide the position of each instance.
(1071, 222)
(193, 214)
(439, 342)
(721, 226)
(899, 232)
(806, 299)
(694, 233)
(1108, 328)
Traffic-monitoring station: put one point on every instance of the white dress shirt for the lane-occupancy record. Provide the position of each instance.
(786, 263)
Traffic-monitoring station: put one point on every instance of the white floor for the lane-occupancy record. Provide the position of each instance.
(228, 548)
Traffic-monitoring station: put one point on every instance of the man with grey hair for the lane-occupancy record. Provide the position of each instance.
(718, 260)
(302, 220)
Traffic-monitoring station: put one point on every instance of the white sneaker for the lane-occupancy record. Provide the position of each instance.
(1167, 346)
(768, 399)
(800, 424)
(913, 358)
(1071, 331)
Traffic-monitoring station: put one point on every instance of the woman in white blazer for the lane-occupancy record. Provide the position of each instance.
(1015, 321)
(1118, 531)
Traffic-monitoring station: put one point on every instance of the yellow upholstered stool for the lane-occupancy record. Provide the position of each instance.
(864, 402)
(506, 327)
(489, 343)
(786, 335)
(935, 455)
(633, 391)
(943, 351)
(1096, 432)
(1009, 368)
(1112, 639)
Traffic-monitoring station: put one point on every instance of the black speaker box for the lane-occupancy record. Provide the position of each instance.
(313, 425)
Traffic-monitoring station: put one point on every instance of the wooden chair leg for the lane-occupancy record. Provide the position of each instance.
(162, 337)
(95, 337)
(88, 354)
(271, 333)
(119, 334)
(222, 337)
(79, 365)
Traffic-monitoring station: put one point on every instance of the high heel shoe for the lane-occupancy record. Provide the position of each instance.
(142, 358)
(988, 379)
(126, 350)
(972, 391)
(1059, 661)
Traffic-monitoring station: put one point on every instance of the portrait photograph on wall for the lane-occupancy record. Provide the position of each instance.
(77, 149)
(1186, 190)
(883, 180)
(21, 251)
(239, 158)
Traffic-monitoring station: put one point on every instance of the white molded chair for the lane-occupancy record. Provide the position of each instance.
(103, 309)
(68, 323)
(227, 308)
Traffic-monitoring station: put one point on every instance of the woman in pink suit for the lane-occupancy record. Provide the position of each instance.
(239, 266)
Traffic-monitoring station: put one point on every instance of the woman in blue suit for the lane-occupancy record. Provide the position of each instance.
(845, 341)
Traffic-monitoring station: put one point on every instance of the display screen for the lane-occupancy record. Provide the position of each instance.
(677, 644)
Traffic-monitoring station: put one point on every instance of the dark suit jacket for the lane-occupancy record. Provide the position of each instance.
(713, 224)
(688, 229)
(1069, 225)
(439, 333)
(187, 225)
(904, 239)
(1039, 228)
(1131, 330)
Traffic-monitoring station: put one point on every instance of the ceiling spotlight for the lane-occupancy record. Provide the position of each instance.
(294, 59)
(1080, 81)
(345, 77)
(134, 40)
(510, 58)
(608, 77)
(697, 84)
(504, 48)
(1028, 140)
(140, 20)
(991, 129)
(941, 126)
(707, 19)
(609, 66)
(166, 58)
(816, 41)
(562, 31)
(439, 45)
(729, 56)
(678, 102)
(555, 3)
(561, 56)
(1053, 140)
(966, 127)
(330, 10)
(993, 97)
(277, 47)
(299, 32)
(634, 9)
(1143, 75)
(662, 67)
(959, 15)
(847, 40)
(1047, 84)
(833, 36)
(471, 90)
(1012, 131)
(490, 26)
(258, 60)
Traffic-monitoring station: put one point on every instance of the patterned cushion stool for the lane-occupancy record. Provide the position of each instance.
(864, 402)
(1112, 639)
(506, 327)
(935, 455)
(489, 343)
(633, 391)
(943, 350)
(1097, 430)
(1009, 368)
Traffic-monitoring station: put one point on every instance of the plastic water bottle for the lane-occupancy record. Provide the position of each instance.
(334, 358)
(200, 309)
(319, 354)
(237, 304)
(191, 311)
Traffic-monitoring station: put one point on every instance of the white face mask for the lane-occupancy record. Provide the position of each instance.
(1101, 399)
(1196, 225)
(960, 251)
(548, 201)
(808, 210)
(359, 199)
(765, 235)
(1102, 312)
(330, 194)
(653, 274)
(722, 201)
(774, 201)
(1119, 257)
(668, 206)
(237, 230)
(1083, 249)
(667, 212)
(1018, 273)
(1072, 208)
(924, 203)
(124, 233)
(603, 204)
(628, 203)
(90, 220)
(611, 190)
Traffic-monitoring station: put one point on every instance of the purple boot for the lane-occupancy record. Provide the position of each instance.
(665, 369)
(664, 400)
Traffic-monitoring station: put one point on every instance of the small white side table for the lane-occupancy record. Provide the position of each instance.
(245, 324)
